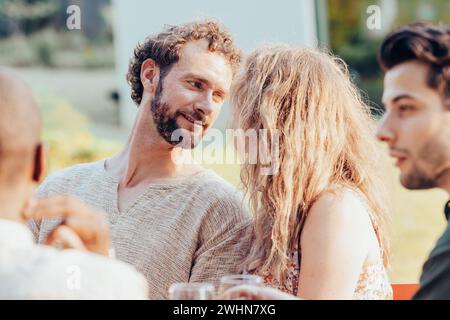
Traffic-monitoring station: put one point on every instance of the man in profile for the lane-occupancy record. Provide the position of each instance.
(416, 127)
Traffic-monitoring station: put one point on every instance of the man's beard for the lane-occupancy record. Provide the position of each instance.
(433, 162)
(417, 179)
(168, 128)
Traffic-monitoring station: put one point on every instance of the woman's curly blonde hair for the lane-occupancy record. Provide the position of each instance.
(326, 143)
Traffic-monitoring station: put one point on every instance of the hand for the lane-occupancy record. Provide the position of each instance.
(83, 228)
(249, 292)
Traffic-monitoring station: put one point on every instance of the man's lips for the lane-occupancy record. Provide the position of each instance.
(400, 162)
(193, 120)
(400, 157)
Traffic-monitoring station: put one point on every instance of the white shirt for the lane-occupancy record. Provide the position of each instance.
(31, 271)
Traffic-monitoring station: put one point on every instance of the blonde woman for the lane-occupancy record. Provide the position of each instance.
(320, 220)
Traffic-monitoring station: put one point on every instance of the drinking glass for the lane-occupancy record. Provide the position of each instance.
(191, 291)
(227, 282)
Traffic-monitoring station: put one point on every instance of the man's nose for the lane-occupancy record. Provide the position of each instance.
(385, 132)
(205, 105)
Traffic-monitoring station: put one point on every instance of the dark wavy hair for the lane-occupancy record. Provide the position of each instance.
(165, 49)
(424, 42)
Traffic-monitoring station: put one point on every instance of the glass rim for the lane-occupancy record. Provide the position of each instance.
(238, 278)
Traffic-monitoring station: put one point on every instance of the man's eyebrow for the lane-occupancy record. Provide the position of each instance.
(402, 96)
(196, 77)
(397, 98)
(203, 80)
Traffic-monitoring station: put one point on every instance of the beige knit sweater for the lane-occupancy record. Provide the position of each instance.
(194, 228)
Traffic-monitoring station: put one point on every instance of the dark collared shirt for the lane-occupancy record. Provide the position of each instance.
(447, 210)
(435, 279)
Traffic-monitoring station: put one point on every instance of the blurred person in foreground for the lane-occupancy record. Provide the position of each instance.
(172, 219)
(30, 271)
(416, 127)
(321, 218)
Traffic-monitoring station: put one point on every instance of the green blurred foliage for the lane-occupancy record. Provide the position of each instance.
(27, 16)
(67, 135)
(412, 9)
(50, 48)
(34, 33)
(350, 39)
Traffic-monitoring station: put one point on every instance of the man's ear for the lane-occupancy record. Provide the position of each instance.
(38, 169)
(150, 75)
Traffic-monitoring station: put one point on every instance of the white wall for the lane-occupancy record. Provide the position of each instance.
(252, 22)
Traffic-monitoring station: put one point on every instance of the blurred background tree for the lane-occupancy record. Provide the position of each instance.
(34, 33)
(350, 38)
(26, 16)
(72, 73)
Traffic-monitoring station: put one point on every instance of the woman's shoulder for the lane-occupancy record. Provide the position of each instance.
(340, 203)
(338, 212)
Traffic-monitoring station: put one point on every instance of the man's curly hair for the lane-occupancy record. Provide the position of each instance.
(423, 42)
(165, 49)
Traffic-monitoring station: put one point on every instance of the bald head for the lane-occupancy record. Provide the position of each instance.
(20, 125)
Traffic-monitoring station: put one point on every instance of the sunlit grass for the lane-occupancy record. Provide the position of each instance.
(418, 221)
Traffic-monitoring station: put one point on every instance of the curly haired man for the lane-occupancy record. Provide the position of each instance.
(174, 221)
